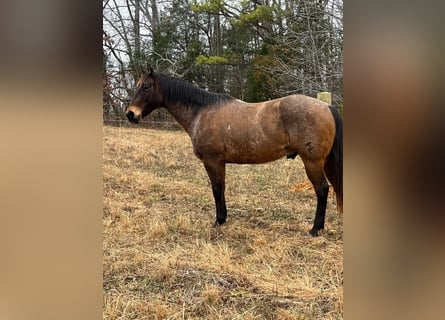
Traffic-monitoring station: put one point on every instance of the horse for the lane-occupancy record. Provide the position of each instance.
(224, 129)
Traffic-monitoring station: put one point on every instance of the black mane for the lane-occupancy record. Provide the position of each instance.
(176, 90)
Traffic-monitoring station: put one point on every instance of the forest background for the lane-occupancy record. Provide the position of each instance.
(253, 50)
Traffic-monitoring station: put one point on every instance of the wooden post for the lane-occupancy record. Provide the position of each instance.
(325, 97)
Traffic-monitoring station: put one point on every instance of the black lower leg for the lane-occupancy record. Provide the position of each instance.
(216, 172)
(221, 210)
(322, 199)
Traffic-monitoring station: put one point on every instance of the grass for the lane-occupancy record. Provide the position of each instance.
(162, 259)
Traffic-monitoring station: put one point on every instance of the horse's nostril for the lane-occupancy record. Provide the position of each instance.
(130, 115)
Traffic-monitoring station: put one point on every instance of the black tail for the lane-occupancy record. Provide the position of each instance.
(334, 162)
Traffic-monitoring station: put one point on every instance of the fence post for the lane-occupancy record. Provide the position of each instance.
(325, 97)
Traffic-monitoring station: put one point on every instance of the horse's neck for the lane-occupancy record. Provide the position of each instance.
(183, 115)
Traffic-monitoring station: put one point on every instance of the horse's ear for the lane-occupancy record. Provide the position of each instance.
(149, 70)
(140, 69)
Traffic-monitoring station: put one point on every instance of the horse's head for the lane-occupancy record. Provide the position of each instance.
(146, 99)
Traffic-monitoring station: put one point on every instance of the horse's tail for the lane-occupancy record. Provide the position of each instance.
(334, 162)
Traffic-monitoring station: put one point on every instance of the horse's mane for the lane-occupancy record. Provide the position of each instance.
(176, 90)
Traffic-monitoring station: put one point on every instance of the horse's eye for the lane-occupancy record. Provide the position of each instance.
(146, 87)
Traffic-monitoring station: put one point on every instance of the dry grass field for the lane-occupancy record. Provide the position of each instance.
(162, 259)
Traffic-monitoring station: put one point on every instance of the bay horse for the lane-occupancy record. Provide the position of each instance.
(224, 130)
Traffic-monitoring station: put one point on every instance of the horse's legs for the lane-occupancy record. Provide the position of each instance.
(314, 171)
(216, 171)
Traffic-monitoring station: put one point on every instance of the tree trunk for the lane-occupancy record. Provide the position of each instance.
(154, 22)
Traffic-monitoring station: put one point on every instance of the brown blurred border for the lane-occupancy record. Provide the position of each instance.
(51, 160)
(394, 161)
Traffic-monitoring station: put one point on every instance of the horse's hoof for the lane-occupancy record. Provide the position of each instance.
(315, 232)
(218, 223)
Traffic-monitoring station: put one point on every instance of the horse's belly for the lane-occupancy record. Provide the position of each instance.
(252, 152)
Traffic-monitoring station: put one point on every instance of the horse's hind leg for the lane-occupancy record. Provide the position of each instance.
(314, 171)
(216, 171)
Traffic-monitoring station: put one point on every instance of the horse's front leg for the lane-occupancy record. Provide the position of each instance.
(217, 171)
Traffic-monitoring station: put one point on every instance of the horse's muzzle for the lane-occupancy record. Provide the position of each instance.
(132, 117)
